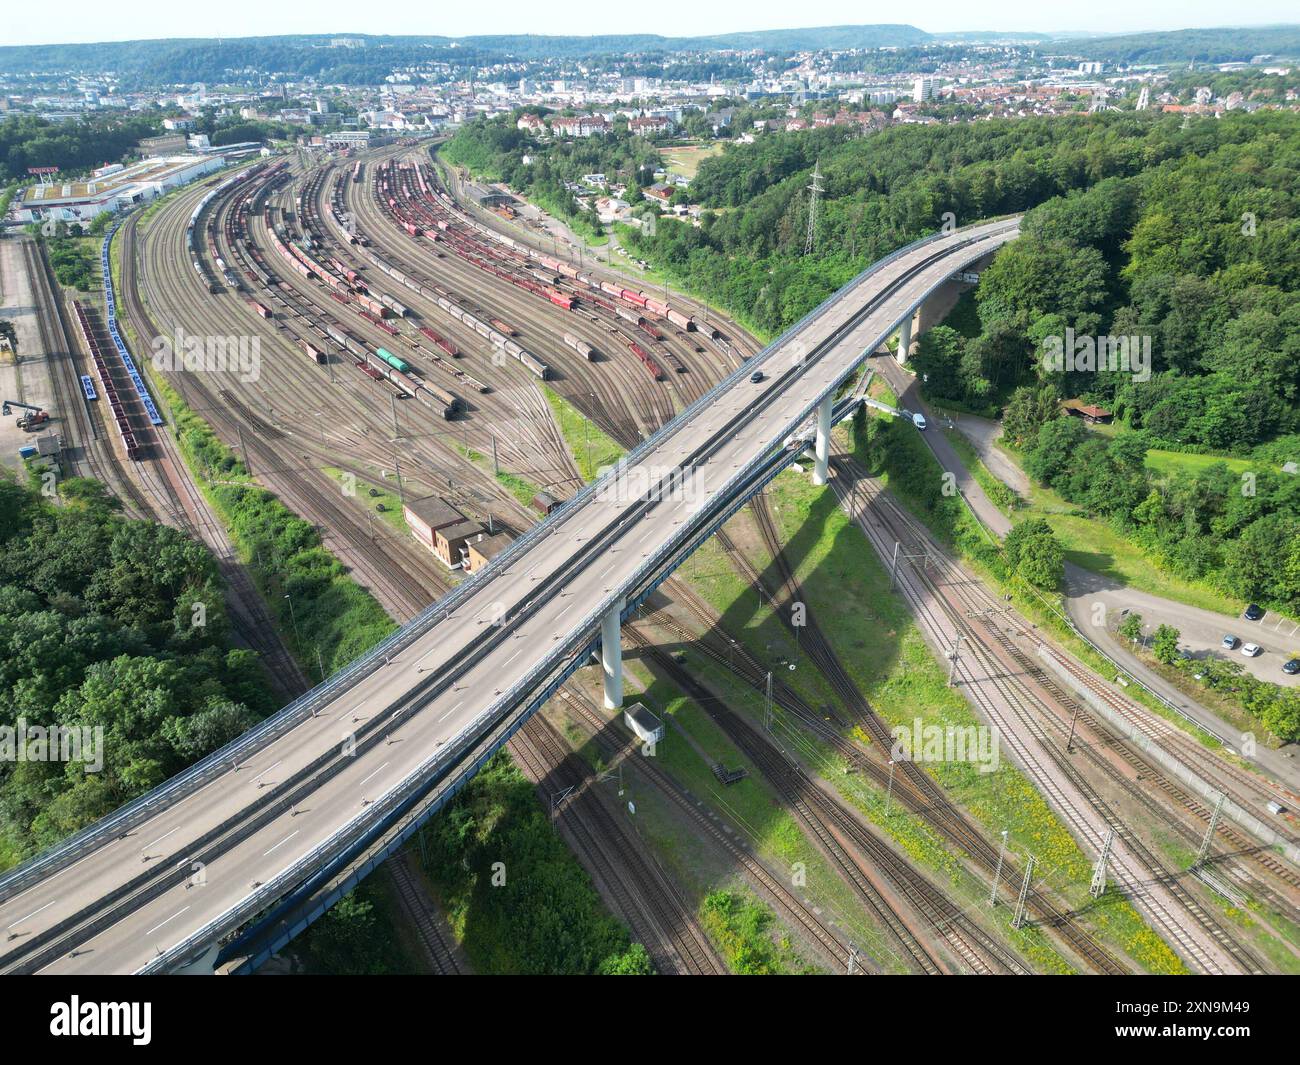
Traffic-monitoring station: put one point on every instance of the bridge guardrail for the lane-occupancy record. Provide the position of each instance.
(287, 718)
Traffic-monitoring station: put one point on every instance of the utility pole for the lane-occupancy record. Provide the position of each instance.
(1069, 741)
(396, 431)
(1098, 886)
(244, 449)
(1019, 917)
(893, 566)
(397, 468)
(853, 961)
(1204, 852)
(952, 664)
(767, 704)
(889, 792)
(997, 873)
(496, 466)
(814, 190)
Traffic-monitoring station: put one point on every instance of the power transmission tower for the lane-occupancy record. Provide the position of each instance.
(997, 873)
(1098, 886)
(814, 190)
(1019, 917)
(1204, 852)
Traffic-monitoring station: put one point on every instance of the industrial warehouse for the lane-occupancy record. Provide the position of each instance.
(112, 188)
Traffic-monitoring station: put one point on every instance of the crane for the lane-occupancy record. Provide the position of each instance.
(28, 422)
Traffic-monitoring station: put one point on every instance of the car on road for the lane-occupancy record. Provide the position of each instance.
(1253, 613)
(1230, 642)
(756, 376)
(1291, 667)
(919, 421)
(1252, 650)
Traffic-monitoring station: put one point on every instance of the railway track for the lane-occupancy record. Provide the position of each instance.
(1140, 873)
(912, 786)
(422, 915)
(642, 895)
(801, 916)
(263, 456)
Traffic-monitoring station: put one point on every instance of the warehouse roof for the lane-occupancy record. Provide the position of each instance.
(434, 511)
(150, 170)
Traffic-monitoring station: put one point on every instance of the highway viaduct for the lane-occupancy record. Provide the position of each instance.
(235, 856)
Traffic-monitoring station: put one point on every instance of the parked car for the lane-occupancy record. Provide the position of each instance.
(756, 376)
(1291, 667)
(1230, 642)
(1252, 650)
(1253, 613)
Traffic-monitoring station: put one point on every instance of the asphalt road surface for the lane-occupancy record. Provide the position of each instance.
(503, 632)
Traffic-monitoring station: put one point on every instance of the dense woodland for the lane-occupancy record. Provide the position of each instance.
(99, 628)
(71, 146)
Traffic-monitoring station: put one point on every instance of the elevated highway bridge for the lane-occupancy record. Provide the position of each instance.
(237, 854)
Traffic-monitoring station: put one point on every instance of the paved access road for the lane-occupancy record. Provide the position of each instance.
(504, 632)
(1202, 630)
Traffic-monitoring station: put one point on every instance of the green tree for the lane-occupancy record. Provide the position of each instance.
(1164, 644)
(1028, 411)
(1131, 628)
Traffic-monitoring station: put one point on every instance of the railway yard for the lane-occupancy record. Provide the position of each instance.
(390, 335)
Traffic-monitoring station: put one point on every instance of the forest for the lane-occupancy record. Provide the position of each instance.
(74, 147)
(114, 624)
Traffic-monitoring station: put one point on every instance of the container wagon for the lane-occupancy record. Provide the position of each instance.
(392, 360)
(680, 320)
(503, 327)
(581, 347)
(258, 308)
(313, 352)
(649, 330)
(647, 360)
(88, 387)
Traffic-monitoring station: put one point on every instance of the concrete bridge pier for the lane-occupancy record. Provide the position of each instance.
(611, 655)
(821, 470)
(904, 339)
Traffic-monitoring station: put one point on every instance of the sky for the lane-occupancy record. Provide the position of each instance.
(82, 21)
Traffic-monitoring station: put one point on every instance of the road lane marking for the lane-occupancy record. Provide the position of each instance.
(32, 914)
(452, 710)
(161, 838)
(170, 919)
(364, 779)
(281, 843)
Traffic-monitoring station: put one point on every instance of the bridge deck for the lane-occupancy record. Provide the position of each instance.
(542, 601)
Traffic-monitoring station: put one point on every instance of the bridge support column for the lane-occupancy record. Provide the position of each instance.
(904, 339)
(822, 467)
(611, 655)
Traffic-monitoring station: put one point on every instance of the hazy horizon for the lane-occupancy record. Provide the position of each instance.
(97, 24)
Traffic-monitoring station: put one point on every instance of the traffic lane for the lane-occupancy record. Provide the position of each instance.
(984, 433)
(811, 383)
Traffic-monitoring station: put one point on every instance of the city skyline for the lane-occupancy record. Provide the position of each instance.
(90, 23)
